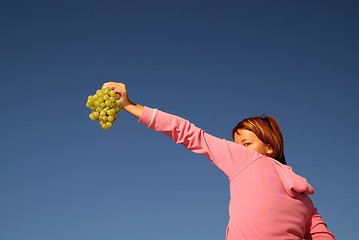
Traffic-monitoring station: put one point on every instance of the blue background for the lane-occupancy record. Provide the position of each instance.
(62, 177)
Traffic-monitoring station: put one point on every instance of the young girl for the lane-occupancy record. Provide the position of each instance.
(268, 200)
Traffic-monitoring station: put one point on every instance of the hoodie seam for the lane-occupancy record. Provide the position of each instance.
(244, 167)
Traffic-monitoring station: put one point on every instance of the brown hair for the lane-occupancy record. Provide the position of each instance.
(267, 130)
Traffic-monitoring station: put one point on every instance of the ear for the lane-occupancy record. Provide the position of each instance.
(269, 150)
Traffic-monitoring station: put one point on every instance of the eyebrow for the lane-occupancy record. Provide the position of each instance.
(244, 139)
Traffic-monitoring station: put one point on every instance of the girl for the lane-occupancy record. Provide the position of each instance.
(268, 200)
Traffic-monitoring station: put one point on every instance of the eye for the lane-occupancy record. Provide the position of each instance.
(246, 144)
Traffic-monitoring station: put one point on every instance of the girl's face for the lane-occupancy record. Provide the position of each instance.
(250, 140)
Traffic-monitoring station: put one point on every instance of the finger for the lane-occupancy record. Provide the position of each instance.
(105, 85)
(109, 85)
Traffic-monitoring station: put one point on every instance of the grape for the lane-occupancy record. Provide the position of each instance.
(111, 112)
(107, 90)
(108, 103)
(105, 105)
(96, 115)
(118, 103)
(91, 116)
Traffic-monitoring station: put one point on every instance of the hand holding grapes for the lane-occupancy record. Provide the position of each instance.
(108, 101)
(120, 89)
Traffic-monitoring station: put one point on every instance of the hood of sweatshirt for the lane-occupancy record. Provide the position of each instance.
(292, 182)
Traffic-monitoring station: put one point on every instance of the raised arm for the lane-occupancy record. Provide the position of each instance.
(228, 156)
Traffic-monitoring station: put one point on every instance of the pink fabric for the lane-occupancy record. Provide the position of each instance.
(268, 200)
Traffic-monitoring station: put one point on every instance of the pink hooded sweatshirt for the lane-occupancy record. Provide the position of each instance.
(267, 199)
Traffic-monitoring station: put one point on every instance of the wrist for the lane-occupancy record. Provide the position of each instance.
(126, 103)
(134, 109)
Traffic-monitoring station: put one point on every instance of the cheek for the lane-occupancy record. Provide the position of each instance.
(253, 147)
(259, 148)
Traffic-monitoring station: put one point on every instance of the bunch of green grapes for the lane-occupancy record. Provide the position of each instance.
(105, 105)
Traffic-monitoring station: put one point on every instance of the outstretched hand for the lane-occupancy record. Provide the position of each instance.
(121, 90)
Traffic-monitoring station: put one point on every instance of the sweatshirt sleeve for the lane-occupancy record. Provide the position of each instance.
(230, 157)
(317, 228)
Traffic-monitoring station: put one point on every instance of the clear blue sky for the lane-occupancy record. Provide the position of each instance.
(62, 177)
